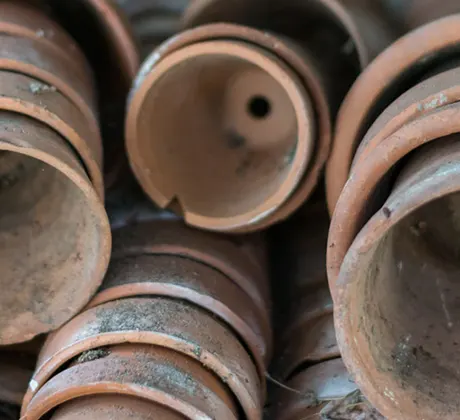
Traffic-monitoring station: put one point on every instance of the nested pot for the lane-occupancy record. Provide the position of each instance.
(158, 321)
(395, 293)
(259, 97)
(141, 372)
(54, 234)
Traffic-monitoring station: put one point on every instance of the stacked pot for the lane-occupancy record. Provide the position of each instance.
(393, 245)
(229, 122)
(179, 329)
(54, 233)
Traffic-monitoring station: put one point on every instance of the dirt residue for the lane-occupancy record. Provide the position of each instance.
(91, 355)
(353, 407)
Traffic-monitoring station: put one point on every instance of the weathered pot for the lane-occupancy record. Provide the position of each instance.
(109, 407)
(424, 113)
(396, 296)
(316, 387)
(154, 374)
(157, 321)
(20, 95)
(261, 145)
(54, 233)
(182, 278)
(35, 59)
(392, 73)
(108, 42)
(230, 256)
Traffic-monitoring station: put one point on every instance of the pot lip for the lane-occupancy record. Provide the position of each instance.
(84, 185)
(271, 65)
(300, 65)
(355, 351)
(340, 13)
(364, 179)
(112, 386)
(52, 79)
(248, 400)
(231, 318)
(364, 95)
(50, 119)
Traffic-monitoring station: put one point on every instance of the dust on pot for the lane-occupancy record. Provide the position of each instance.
(151, 373)
(188, 280)
(54, 233)
(157, 321)
(397, 69)
(110, 407)
(396, 305)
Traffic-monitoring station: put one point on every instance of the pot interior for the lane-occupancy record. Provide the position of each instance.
(218, 132)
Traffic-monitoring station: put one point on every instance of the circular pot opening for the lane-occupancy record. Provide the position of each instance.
(52, 229)
(223, 127)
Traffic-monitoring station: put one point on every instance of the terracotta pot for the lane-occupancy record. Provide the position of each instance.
(19, 94)
(148, 372)
(156, 321)
(54, 233)
(424, 113)
(35, 59)
(396, 295)
(396, 70)
(108, 43)
(316, 386)
(109, 407)
(181, 278)
(228, 255)
(23, 20)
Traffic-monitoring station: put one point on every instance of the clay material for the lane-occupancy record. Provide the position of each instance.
(250, 119)
(155, 374)
(182, 278)
(54, 233)
(156, 321)
(403, 351)
(108, 407)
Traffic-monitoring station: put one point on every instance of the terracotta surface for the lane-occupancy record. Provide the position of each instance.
(396, 295)
(55, 110)
(32, 58)
(381, 83)
(317, 386)
(20, 19)
(260, 147)
(308, 78)
(190, 331)
(226, 254)
(108, 407)
(182, 278)
(47, 197)
(425, 113)
(155, 374)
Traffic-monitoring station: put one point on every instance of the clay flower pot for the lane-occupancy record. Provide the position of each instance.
(185, 279)
(154, 374)
(396, 310)
(397, 69)
(156, 321)
(316, 386)
(54, 232)
(241, 259)
(110, 407)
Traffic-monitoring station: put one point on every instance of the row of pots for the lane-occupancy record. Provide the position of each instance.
(393, 248)
(256, 94)
(180, 328)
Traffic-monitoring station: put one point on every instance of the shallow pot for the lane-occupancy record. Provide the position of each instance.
(158, 321)
(154, 374)
(396, 310)
(54, 234)
(182, 278)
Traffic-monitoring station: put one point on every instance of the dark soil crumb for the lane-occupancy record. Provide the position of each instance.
(91, 355)
(353, 407)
